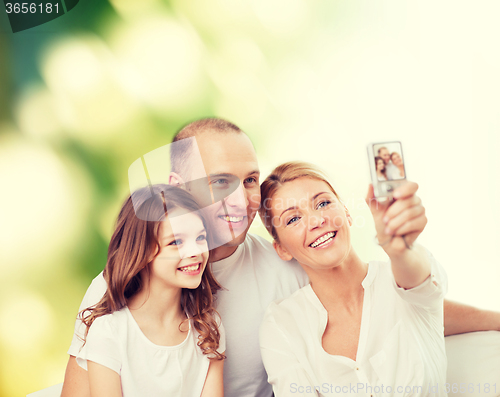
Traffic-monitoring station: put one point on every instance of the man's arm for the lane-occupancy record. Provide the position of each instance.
(460, 318)
(76, 380)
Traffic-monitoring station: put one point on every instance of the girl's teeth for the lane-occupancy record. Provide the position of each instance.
(189, 268)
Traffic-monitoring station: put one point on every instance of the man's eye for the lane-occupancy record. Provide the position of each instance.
(251, 180)
(324, 204)
(220, 181)
(201, 238)
(177, 241)
(292, 220)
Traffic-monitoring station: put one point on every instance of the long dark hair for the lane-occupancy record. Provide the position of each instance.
(133, 245)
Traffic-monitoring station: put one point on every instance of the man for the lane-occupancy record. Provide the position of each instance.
(246, 265)
(391, 170)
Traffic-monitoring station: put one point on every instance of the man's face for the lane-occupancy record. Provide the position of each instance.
(384, 153)
(229, 158)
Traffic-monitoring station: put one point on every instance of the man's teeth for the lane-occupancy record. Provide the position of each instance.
(232, 218)
(191, 268)
(323, 239)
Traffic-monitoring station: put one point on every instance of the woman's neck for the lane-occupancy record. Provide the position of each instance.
(339, 284)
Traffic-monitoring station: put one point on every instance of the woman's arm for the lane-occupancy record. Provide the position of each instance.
(104, 382)
(398, 225)
(214, 385)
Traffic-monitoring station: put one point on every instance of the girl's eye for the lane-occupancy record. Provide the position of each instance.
(177, 241)
(292, 220)
(323, 204)
(201, 238)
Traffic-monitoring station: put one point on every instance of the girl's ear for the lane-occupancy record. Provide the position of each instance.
(282, 252)
(175, 179)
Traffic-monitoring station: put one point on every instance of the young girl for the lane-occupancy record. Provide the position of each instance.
(358, 329)
(155, 332)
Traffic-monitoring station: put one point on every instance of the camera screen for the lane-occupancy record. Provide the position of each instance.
(389, 162)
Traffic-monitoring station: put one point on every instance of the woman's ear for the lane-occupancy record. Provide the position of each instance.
(175, 179)
(282, 252)
(348, 216)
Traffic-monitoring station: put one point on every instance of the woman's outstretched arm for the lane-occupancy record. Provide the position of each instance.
(398, 225)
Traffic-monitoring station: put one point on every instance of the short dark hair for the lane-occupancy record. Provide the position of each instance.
(181, 151)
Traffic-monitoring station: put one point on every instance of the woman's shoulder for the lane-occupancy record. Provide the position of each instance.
(295, 305)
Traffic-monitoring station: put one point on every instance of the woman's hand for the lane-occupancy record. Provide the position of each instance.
(398, 224)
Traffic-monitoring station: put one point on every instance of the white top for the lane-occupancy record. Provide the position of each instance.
(401, 341)
(392, 171)
(146, 369)
(254, 276)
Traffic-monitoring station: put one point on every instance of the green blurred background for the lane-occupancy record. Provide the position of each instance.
(85, 95)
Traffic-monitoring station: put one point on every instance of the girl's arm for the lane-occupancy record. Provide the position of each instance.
(214, 386)
(104, 382)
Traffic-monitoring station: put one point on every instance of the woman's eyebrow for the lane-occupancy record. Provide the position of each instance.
(289, 208)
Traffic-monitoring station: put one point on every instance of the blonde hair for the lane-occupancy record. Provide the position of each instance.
(286, 172)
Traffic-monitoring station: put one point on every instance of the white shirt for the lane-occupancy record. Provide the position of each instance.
(253, 277)
(401, 341)
(146, 369)
(392, 172)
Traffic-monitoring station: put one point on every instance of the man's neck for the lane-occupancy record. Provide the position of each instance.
(223, 252)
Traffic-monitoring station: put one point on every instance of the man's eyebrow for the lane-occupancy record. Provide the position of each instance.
(220, 174)
(295, 207)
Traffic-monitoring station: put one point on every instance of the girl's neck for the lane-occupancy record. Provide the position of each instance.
(340, 284)
(158, 302)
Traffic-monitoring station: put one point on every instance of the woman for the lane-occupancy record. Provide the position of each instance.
(155, 332)
(358, 328)
(398, 162)
(380, 168)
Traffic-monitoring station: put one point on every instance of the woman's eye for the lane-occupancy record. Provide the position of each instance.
(177, 241)
(292, 220)
(201, 238)
(323, 204)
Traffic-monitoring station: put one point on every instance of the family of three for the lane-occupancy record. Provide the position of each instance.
(186, 289)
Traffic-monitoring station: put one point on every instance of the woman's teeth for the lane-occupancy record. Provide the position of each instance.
(191, 268)
(323, 239)
(232, 218)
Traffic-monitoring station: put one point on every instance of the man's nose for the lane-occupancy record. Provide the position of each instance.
(237, 199)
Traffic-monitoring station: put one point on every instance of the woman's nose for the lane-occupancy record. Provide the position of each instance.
(316, 221)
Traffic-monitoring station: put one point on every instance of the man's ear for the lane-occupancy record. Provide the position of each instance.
(175, 179)
(282, 252)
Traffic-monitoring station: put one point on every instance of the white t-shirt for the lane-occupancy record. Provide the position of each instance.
(392, 171)
(253, 277)
(401, 341)
(146, 369)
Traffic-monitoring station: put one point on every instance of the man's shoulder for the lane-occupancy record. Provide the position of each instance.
(293, 306)
(261, 248)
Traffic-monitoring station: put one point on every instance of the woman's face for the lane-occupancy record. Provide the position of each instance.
(184, 253)
(380, 165)
(396, 159)
(312, 225)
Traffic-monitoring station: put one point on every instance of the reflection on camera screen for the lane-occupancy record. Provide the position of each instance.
(389, 162)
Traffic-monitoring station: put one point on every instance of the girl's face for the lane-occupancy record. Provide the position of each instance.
(380, 165)
(311, 223)
(184, 252)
